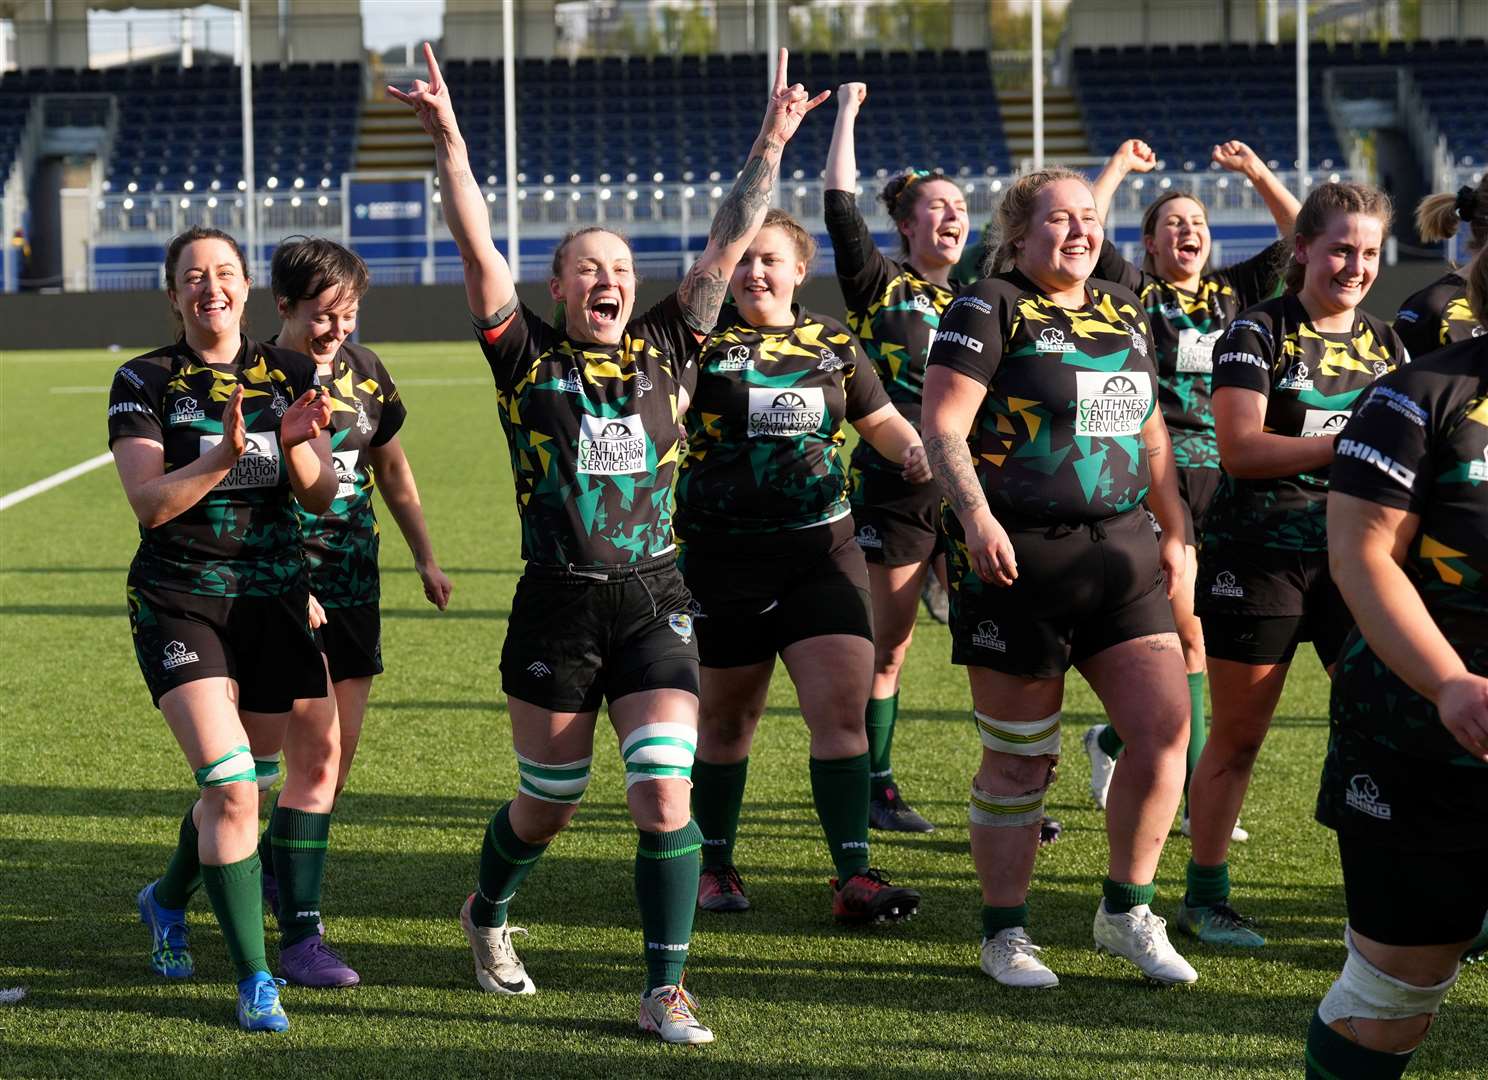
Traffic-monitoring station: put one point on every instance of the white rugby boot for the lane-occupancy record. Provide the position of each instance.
(498, 969)
(1142, 937)
(667, 1011)
(1011, 957)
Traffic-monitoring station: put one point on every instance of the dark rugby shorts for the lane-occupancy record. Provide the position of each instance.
(1258, 604)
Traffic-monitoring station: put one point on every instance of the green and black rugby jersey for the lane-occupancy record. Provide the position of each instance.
(1059, 436)
(1437, 315)
(764, 429)
(341, 544)
(1310, 380)
(891, 307)
(243, 537)
(594, 433)
(1418, 441)
(1186, 325)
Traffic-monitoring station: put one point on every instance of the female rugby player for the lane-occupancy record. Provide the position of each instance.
(1042, 427)
(893, 306)
(1189, 305)
(770, 559)
(1405, 782)
(1286, 375)
(1440, 314)
(318, 288)
(215, 437)
(591, 411)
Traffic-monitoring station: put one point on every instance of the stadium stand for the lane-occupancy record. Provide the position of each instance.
(180, 126)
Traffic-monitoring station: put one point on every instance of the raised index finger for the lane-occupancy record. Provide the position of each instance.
(434, 76)
(780, 83)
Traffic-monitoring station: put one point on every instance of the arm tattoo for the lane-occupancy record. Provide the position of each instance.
(703, 288)
(950, 461)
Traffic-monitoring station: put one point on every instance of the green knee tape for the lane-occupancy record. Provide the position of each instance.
(234, 767)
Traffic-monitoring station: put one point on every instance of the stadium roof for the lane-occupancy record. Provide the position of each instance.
(8, 8)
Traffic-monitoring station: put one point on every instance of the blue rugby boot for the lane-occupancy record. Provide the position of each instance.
(170, 953)
(258, 1003)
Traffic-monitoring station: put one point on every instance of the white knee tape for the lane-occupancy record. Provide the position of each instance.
(1006, 811)
(1023, 739)
(553, 783)
(659, 752)
(266, 770)
(1365, 992)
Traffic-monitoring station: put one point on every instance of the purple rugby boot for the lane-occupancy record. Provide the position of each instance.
(312, 962)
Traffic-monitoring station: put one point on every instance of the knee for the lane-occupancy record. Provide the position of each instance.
(1385, 1036)
(1009, 774)
(888, 657)
(232, 806)
(1236, 749)
(727, 725)
(660, 805)
(536, 821)
(1381, 1010)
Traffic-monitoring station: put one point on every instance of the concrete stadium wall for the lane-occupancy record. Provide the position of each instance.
(140, 320)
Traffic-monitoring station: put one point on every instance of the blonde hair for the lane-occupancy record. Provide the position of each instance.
(1015, 211)
(1477, 287)
(1438, 216)
(1321, 204)
(801, 240)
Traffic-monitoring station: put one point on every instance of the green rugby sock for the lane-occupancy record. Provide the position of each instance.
(236, 892)
(717, 798)
(840, 790)
(879, 719)
(1207, 885)
(265, 845)
(997, 919)
(506, 860)
(1330, 1056)
(183, 874)
(666, 885)
(1109, 742)
(1122, 896)
(1198, 725)
(299, 840)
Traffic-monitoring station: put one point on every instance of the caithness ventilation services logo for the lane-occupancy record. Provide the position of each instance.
(1323, 422)
(611, 446)
(1111, 404)
(785, 413)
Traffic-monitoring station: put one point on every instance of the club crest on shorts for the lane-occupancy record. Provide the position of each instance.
(681, 624)
(1364, 796)
(987, 636)
(1225, 585)
(176, 654)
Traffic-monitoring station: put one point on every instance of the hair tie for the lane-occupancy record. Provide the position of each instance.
(1467, 197)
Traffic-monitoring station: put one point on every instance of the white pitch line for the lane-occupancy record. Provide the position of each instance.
(55, 480)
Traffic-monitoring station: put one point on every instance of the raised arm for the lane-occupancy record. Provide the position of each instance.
(1236, 157)
(1131, 156)
(488, 279)
(743, 211)
(842, 155)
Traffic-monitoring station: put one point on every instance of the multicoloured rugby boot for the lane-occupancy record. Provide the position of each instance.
(868, 896)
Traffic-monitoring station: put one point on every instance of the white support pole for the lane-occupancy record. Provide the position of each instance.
(772, 41)
(1038, 83)
(1302, 88)
(250, 192)
(1273, 21)
(509, 100)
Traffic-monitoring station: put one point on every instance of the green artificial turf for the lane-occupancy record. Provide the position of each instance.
(92, 788)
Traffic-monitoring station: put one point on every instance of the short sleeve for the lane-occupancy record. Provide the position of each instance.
(507, 339)
(1256, 278)
(863, 271)
(1110, 265)
(394, 413)
(864, 389)
(1419, 321)
(1384, 453)
(969, 340)
(665, 327)
(1243, 356)
(134, 404)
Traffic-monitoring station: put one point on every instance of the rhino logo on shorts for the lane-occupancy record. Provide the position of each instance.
(177, 654)
(1225, 585)
(868, 537)
(987, 636)
(1364, 796)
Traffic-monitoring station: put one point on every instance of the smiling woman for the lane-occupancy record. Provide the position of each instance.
(215, 437)
(591, 410)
